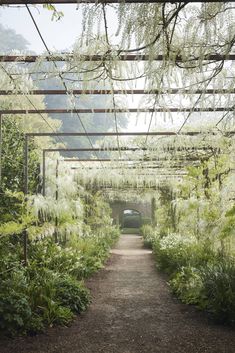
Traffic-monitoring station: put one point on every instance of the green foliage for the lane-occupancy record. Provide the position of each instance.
(71, 293)
(198, 274)
(218, 280)
(50, 288)
(131, 221)
(15, 310)
(130, 230)
(10, 228)
(28, 301)
(174, 252)
(11, 206)
(146, 220)
(42, 296)
(187, 285)
(56, 15)
(228, 228)
(94, 249)
(13, 158)
(55, 257)
(48, 291)
(149, 234)
(166, 212)
(97, 211)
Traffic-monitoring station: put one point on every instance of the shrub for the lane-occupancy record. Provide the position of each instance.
(172, 252)
(175, 251)
(71, 293)
(47, 291)
(15, 311)
(149, 234)
(187, 285)
(219, 289)
(63, 259)
(41, 291)
(198, 274)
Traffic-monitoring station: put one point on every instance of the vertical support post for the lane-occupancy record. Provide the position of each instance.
(44, 173)
(153, 210)
(0, 149)
(56, 175)
(26, 165)
(26, 191)
(56, 197)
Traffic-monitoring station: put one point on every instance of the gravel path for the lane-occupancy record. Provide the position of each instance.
(132, 311)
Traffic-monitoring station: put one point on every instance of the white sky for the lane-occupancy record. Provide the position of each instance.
(59, 35)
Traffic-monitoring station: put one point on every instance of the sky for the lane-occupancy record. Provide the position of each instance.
(59, 35)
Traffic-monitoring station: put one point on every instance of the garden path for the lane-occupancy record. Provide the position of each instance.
(133, 311)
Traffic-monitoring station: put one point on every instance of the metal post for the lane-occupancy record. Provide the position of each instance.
(56, 197)
(153, 210)
(26, 167)
(44, 173)
(0, 149)
(56, 175)
(25, 235)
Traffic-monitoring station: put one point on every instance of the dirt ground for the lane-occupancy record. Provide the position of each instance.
(133, 311)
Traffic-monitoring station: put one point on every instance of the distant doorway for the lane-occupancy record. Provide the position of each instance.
(131, 219)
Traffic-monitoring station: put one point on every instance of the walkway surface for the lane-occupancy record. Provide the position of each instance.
(133, 311)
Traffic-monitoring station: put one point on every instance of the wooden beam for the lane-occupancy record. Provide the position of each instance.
(145, 133)
(20, 2)
(128, 57)
(123, 149)
(127, 167)
(111, 110)
(118, 91)
(119, 160)
(101, 149)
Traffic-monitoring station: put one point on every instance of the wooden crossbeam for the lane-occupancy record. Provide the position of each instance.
(111, 110)
(19, 2)
(96, 149)
(145, 133)
(128, 57)
(123, 149)
(118, 160)
(118, 91)
(126, 166)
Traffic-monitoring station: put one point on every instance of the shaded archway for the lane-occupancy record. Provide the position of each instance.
(131, 218)
(143, 208)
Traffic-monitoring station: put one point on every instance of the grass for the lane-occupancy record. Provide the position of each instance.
(130, 231)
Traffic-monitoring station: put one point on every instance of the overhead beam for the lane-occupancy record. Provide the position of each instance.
(108, 160)
(128, 57)
(82, 134)
(129, 167)
(101, 149)
(146, 159)
(111, 110)
(113, 149)
(151, 133)
(20, 2)
(120, 160)
(117, 91)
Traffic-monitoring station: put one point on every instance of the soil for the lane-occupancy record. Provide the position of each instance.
(132, 311)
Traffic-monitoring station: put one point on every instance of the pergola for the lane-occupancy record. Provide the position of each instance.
(137, 57)
(121, 56)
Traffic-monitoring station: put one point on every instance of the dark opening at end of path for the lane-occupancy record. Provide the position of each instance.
(131, 221)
